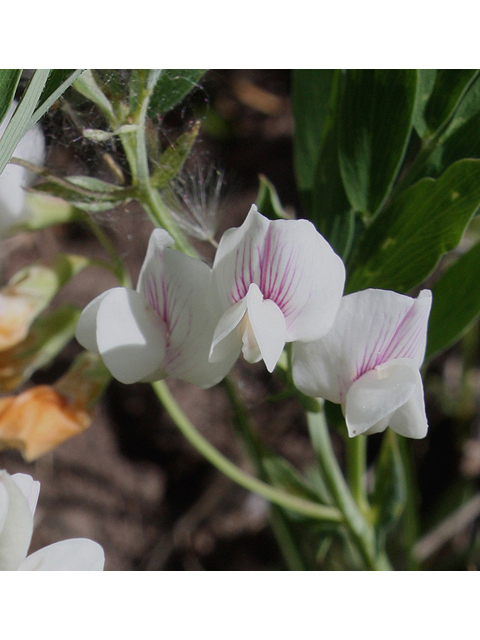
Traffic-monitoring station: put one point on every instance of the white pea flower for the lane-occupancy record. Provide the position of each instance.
(14, 178)
(164, 328)
(279, 281)
(18, 500)
(369, 362)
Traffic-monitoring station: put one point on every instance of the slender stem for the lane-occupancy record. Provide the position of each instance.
(249, 482)
(161, 216)
(356, 469)
(136, 151)
(242, 421)
(362, 533)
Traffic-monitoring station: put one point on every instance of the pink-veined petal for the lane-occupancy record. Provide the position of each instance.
(371, 327)
(77, 554)
(16, 532)
(131, 337)
(291, 263)
(377, 394)
(179, 288)
(268, 326)
(29, 487)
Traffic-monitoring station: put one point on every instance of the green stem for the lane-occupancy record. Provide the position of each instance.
(356, 469)
(280, 526)
(245, 480)
(161, 216)
(136, 151)
(410, 515)
(361, 532)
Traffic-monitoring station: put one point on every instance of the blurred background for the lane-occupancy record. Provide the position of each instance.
(130, 481)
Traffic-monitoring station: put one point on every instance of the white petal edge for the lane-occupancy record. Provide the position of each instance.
(225, 338)
(268, 326)
(410, 420)
(29, 487)
(130, 336)
(17, 528)
(77, 554)
(378, 394)
(86, 330)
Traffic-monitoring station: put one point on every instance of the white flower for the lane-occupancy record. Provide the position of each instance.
(279, 281)
(369, 362)
(164, 328)
(18, 500)
(14, 178)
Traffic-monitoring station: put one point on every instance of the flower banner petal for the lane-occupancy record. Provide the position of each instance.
(291, 263)
(179, 288)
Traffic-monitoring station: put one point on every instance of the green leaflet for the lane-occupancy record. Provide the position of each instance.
(456, 302)
(311, 93)
(172, 86)
(377, 108)
(450, 87)
(9, 79)
(403, 245)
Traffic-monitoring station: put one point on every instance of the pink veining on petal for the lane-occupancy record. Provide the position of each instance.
(403, 342)
(163, 299)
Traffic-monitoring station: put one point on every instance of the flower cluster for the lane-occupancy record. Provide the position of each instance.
(18, 500)
(272, 283)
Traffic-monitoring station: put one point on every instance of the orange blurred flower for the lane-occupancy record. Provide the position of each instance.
(42, 417)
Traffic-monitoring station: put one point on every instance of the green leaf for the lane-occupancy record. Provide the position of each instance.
(390, 492)
(9, 79)
(172, 159)
(172, 87)
(331, 211)
(86, 193)
(284, 476)
(21, 120)
(268, 202)
(403, 245)
(450, 87)
(376, 120)
(311, 95)
(456, 302)
(86, 84)
(426, 83)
